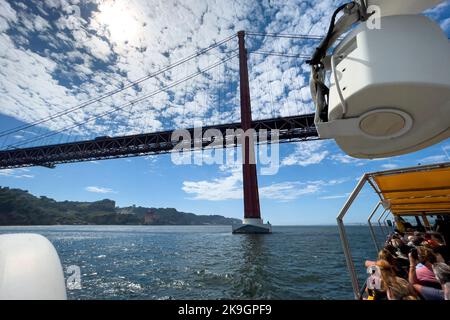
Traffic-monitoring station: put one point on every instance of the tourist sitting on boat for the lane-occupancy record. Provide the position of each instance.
(392, 286)
(426, 255)
(401, 248)
(431, 241)
(442, 272)
(416, 240)
(397, 236)
(400, 289)
(442, 226)
(402, 225)
(399, 265)
(421, 275)
(442, 253)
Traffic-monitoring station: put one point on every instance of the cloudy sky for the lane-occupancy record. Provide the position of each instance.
(57, 56)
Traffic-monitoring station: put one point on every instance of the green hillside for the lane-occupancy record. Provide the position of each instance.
(19, 207)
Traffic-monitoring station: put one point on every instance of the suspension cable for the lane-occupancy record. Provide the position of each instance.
(113, 92)
(280, 54)
(281, 35)
(121, 107)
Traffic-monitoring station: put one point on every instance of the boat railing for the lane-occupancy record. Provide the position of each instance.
(357, 289)
(344, 238)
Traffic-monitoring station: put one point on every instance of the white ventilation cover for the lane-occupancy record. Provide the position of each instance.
(395, 83)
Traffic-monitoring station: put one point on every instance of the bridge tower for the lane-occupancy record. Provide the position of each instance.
(252, 222)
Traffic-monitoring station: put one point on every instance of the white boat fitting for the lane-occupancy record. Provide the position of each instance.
(30, 269)
(389, 91)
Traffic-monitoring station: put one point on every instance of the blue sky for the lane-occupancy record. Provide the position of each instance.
(57, 54)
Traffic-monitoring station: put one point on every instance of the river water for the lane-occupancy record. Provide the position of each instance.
(207, 262)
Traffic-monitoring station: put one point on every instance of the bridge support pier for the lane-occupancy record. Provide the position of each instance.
(252, 226)
(252, 222)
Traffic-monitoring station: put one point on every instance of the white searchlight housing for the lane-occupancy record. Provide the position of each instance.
(30, 268)
(389, 87)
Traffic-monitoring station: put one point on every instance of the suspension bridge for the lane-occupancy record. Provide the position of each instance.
(62, 138)
(48, 147)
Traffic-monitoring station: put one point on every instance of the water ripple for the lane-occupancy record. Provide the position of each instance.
(167, 262)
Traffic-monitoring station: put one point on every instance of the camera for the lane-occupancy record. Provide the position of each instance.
(414, 253)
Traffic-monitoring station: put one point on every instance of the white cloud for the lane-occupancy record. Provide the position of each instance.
(433, 159)
(289, 190)
(98, 48)
(7, 15)
(224, 188)
(441, 11)
(151, 158)
(345, 159)
(40, 24)
(389, 166)
(27, 176)
(306, 153)
(86, 56)
(229, 187)
(446, 25)
(332, 197)
(16, 173)
(95, 189)
(446, 150)
(6, 172)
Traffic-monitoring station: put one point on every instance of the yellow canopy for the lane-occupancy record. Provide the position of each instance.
(419, 190)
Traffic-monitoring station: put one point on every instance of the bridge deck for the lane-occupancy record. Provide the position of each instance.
(296, 128)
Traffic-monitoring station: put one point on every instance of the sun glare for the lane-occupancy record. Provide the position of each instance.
(119, 20)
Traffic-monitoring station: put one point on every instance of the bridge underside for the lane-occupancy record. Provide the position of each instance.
(296, 128)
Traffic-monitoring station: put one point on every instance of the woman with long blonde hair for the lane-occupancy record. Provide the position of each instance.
(400, 289)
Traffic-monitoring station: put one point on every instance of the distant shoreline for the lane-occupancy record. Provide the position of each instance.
(20, 208)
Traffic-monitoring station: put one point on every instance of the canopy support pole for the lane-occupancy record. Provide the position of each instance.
(344, 239)
(385, 226)
(381, 227)
(372, 232)
(426, 222)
